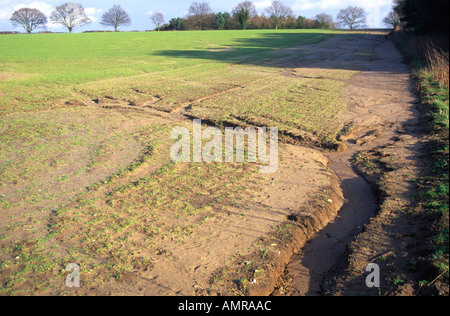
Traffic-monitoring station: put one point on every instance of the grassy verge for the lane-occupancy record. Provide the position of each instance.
(430, 67)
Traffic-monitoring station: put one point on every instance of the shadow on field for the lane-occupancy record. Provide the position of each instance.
(340, 50)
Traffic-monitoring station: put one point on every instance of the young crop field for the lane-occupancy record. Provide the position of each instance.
(86, 175)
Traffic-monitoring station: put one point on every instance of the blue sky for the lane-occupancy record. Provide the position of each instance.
(140, 11)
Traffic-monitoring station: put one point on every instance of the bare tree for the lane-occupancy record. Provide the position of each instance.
(200, 16)
(353, 17)
(115, 17)
(71, 15)
(325, 21)
(29, 19)
(392, 19)
(278, 12)
(201, 9)
(158, 19)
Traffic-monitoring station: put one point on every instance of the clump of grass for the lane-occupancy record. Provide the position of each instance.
(438, 64)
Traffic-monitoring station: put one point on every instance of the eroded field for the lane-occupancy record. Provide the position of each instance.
(86, 175)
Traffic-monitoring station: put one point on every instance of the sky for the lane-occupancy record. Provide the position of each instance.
(140, 11)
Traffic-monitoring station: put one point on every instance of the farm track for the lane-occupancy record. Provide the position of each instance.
(384, 115)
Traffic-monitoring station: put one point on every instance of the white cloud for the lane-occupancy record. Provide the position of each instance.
(5, 3)
(90, 13)
(336, 4)
(261, 5)
(42, 6)
(376, 9)
(6, 12)
(311, 4)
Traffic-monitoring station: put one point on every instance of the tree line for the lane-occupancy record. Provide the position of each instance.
(200, 17)
(244, 16)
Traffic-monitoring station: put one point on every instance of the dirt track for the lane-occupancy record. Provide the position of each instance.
(383, 115)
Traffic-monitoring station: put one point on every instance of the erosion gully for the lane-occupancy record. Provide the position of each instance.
(328, 249)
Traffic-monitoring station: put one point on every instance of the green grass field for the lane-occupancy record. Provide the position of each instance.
(39, 70)
(169, 70)
(76, 175)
